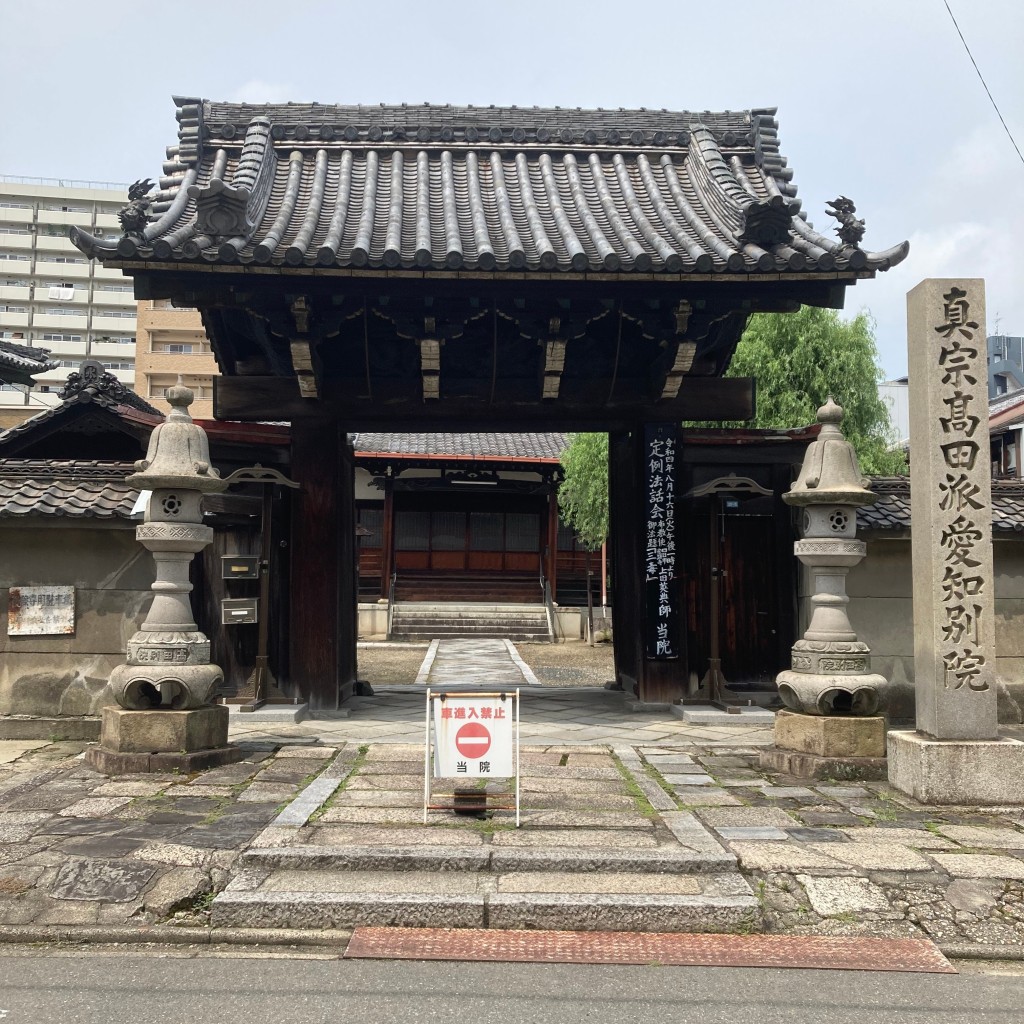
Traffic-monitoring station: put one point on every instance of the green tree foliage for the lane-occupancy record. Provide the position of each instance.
(799, 359)
(583, 495)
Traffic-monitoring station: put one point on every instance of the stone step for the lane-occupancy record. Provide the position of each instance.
(488, 859)
(427, 633)
(455, 899)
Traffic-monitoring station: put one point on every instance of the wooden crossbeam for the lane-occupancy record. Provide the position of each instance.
(554, 363)
(430, 367)
(685, 351)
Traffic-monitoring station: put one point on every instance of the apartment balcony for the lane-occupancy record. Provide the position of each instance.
(62, 271)
(12, 240)
(109, 221)
(102, 273)
(9, 215)
(77, 322)
(55, 243)
(9, 320)
(15, 292)
(112, 324)
(12, 397)
(122, 300)
(62, 349)
(111, 350)
(41, 296)
(65, 218)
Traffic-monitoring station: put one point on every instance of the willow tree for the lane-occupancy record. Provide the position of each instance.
(798, 360)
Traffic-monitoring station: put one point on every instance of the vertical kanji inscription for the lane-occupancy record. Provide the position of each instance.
(951, 502)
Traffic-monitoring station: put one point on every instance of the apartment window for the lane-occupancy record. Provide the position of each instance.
(60, 259)
(178, 349)
(9, 229)
(13, 282)
(9, 387)
(114, 288)
(13, 256)
(67, 362)
(6, 204)
(124, 314)
(60, 208)
(63, 311)
(62, 337)
(108, 340)
(118, 366)
(13, 309)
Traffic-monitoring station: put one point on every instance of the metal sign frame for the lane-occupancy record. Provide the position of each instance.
(429, 752)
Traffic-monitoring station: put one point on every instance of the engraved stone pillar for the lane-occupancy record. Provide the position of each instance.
(955, 755)
(165, 720)
(830, 726)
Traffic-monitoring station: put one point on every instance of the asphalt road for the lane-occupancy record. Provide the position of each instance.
(121, 986)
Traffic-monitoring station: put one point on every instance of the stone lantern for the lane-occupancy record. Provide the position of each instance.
(164, 719)
(830, 693)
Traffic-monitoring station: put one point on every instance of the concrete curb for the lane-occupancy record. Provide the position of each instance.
(531, 679)
(170, 935)
(427, 664)
(980, 951)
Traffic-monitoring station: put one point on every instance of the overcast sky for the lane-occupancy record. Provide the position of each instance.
(877, 99)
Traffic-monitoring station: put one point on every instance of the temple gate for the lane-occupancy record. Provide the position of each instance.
(442, 268)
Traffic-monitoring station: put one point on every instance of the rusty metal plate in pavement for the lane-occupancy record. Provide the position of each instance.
(669, 949)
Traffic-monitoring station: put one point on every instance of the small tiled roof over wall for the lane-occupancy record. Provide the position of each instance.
(511, 446)
(55, 488)
(892, 510)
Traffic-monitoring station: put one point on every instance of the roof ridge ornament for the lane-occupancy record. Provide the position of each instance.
(135, 216)
(91, 382)
(850, 228)
(224, 211)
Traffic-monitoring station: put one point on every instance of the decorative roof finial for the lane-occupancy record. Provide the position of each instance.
(135, 216)
(850, 229)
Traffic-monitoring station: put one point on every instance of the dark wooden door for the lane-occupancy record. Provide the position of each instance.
(749, 616)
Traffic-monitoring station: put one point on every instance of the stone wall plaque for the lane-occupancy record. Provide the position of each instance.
(41, 611)
(951, 537)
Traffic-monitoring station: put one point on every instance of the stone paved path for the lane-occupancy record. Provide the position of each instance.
(576, 714)
(480, 663)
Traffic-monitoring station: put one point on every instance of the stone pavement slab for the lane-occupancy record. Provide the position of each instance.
(984, 838)
(977, 865)
(788, 856)
(832, 896)
(874, 856)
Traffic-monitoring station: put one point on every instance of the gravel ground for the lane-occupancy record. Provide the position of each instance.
(571, 663)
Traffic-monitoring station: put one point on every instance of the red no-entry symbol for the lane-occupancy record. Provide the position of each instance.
(473, 740)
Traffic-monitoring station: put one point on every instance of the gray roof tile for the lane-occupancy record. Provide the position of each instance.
(511, 446)
(482, 188)
(65, 488)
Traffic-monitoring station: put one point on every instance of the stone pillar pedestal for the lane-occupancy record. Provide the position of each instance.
(162, 741)
(985, 772)
(827, 746)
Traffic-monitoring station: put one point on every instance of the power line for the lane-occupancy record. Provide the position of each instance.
(995, 107)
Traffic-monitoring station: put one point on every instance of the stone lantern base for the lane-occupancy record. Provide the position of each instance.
(163, 741)
(827, 746)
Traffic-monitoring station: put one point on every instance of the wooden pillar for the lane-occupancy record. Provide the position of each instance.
(551, 570)
(348, 572)
(656, 672)
(317, 455)
(627, 562)
(387, 537)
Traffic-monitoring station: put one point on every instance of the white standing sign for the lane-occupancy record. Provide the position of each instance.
(475, 736)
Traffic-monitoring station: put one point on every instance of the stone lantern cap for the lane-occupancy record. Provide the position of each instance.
(179, 453)
(830, 474)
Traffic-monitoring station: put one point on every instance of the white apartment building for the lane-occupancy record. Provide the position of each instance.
(51, 296)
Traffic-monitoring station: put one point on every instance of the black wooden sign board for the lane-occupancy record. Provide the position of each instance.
(660, 585)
